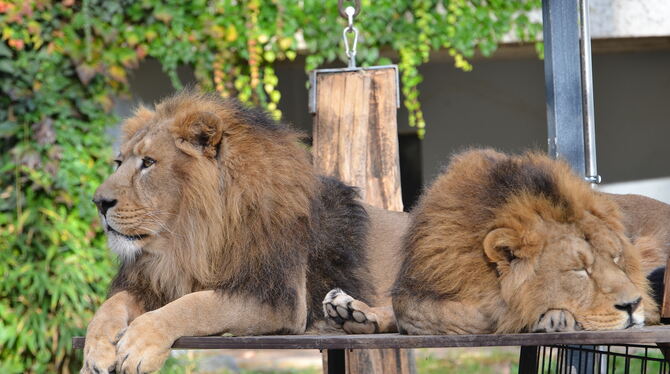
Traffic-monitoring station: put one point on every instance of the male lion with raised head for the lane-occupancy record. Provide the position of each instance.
(503, 244)
(222, 226)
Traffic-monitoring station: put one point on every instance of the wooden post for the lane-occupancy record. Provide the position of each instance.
(356, 133)
(665, 307)
(356, 140)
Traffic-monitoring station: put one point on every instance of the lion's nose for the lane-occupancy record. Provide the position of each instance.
(104, 204)
(629, 306)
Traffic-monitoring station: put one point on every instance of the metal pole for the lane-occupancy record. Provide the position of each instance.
(563, 79)
(587, 96)
(569, 90)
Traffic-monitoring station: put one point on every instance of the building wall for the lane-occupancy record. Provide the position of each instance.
(501, 104)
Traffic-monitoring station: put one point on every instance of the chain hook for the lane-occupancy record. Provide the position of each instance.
(342, 9)
(351, 52)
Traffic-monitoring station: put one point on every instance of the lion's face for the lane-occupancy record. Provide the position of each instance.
(164, 172)
(586, 267)
(136, 203)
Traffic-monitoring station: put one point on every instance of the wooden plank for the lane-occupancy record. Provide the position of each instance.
(644, 335)
(356, 140)
(355, 133)
(665, 308)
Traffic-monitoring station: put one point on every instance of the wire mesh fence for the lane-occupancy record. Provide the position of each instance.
(603, 359)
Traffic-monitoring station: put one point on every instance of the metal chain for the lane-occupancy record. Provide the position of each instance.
(349, 13)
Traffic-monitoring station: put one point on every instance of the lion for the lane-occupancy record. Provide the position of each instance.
(222, 226)
(507, 244)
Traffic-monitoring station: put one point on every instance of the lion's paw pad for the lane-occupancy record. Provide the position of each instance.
(353, 316)
(556, 320)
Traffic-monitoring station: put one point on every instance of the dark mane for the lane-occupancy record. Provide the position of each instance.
(513, 176)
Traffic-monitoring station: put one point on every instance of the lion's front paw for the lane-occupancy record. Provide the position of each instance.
(144, 346)
(556, 320)
(351, 315)
(100, 352)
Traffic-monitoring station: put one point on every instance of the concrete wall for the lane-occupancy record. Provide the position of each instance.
(658, 188)
(501, 104)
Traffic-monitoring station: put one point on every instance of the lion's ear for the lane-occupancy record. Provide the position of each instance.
(500, 245)
(198, 133)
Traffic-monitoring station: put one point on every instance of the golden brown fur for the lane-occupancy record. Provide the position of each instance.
(518, 243)
(647, 223)
(214, 207)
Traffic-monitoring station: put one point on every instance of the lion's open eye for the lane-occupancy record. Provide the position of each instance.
(147, 162)
(117, 164)
(616, 259)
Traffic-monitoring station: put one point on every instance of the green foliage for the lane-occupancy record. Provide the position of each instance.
(53, 154)
(61, 62)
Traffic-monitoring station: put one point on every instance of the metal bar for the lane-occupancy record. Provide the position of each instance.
(569, 89)
(587, 96)
(562, 73)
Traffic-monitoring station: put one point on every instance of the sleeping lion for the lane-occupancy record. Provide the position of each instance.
(221, 226)
(505, 244)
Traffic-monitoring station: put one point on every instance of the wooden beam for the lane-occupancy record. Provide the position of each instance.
(356, 133)
(665, 308)
(356, 140)
(644, 335)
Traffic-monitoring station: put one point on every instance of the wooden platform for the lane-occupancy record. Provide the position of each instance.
(652, 334)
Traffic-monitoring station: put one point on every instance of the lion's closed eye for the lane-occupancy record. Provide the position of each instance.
(581, 272)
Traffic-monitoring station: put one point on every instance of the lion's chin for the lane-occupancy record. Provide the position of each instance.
(126, 249)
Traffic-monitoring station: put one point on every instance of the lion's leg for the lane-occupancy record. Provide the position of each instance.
(103, 331)
(146, 343)
(356, 317)
(416, 317)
